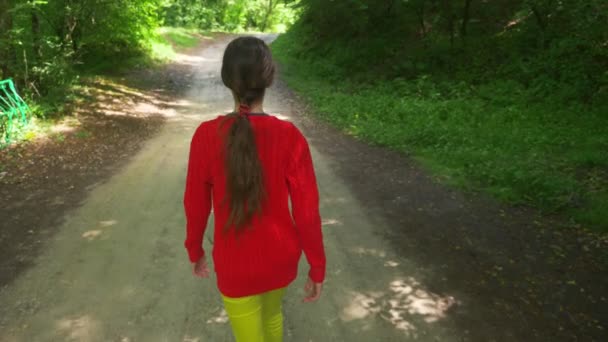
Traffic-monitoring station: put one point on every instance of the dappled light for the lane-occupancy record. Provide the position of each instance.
(409, 295)
(368, 251)
(331, 222)
(220, 318)
(391, 263)
(146, 108)
(183, 103)
(107, 223)
(82, 328)
(115, 99)
(64, 127)
(92, 234)
(405, 304)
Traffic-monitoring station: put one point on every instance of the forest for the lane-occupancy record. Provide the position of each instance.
(443, 163)
(505, 97)
(45, 45)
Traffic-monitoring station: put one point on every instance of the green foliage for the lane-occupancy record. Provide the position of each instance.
(543, 44)
(45, 44)
(508, 97)
(538, 139)
(161, 48)
(183, 38)
(230, 15)
(166, 39)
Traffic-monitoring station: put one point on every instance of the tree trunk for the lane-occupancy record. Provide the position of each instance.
(542, 24)
(76, 34)
(421, 19)
(70, 35)
(452, 32)
(389, 8)
(67, 26)
(539, 17)
(6, 25)
(36, 35)
(465, 19)
(451, 19)
(269, 9)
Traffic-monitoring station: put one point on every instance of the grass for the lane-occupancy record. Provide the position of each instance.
(489, 137)
(181, 37)
(161, 49)
(166, 40)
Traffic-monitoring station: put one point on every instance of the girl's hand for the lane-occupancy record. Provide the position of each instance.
(200, 268)
(313, 291)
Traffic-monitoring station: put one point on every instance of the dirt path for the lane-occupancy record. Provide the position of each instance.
(407, 258)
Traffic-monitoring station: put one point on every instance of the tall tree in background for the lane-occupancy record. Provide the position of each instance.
(269, 9)
(6, 27)
(466, 16)
(36, 39)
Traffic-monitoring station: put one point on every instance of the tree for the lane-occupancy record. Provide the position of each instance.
(466, 16)
(6, 25)
(269, 8)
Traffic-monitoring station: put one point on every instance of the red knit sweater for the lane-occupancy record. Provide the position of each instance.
(264, 257)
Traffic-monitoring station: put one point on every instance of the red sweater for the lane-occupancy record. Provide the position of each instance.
(265, 257)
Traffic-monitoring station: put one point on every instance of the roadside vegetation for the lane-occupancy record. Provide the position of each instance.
(506, 97)
(51, 48)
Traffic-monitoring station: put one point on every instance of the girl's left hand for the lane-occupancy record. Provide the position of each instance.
(313, 291)
(200, 268)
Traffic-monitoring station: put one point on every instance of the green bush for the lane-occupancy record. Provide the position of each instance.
(231, 15)
(484, 132)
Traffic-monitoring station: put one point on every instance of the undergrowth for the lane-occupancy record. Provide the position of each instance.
(495, 135)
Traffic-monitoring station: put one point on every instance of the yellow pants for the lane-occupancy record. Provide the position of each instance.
(256, 318)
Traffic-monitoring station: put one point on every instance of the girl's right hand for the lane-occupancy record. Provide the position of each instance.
(200, 268)
(313, 291)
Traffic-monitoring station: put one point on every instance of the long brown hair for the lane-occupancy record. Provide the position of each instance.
(247, 69)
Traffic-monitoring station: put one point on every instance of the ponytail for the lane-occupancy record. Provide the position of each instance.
(247, 70)
(244, 178)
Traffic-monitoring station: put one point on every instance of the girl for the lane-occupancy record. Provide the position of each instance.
(251, 163)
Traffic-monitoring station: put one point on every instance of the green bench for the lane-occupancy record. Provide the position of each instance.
(12, 108)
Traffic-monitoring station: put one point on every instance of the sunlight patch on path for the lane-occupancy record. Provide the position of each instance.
(221, 318)
(82, 328)
(403, 303)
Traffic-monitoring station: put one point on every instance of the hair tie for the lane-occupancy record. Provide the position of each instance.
(244, 110)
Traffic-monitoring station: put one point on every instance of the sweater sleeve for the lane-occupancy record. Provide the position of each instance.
(304, 194)
(197, 197)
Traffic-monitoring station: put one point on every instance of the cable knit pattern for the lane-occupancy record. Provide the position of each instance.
(264, 256)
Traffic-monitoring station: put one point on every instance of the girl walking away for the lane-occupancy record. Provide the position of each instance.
(248, 164)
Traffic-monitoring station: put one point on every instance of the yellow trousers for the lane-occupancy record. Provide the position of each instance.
(256, 318)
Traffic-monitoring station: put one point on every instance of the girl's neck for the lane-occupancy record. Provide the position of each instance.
(255, 108)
